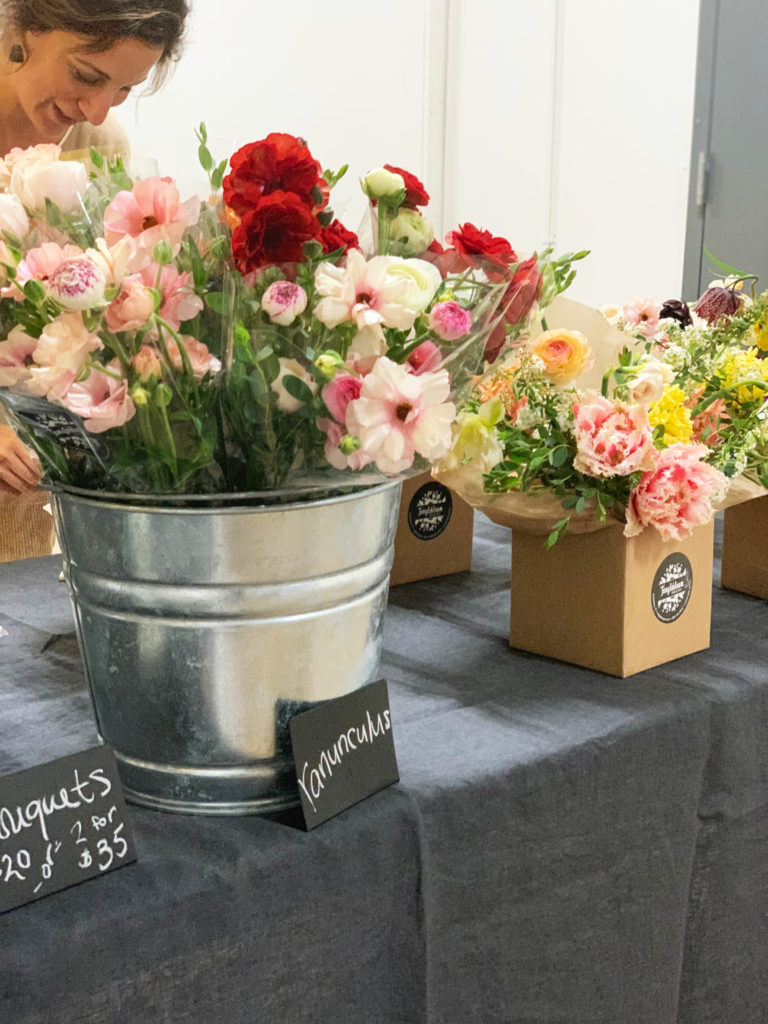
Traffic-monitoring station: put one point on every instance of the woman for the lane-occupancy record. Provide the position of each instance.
(63, 65)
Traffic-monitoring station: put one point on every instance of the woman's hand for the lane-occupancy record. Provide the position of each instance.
(19, 466)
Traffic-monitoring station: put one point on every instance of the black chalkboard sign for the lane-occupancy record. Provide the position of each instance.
(60, 824)
(54, 422)
(343, 751)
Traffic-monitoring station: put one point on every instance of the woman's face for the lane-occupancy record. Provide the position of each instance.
(63, 82)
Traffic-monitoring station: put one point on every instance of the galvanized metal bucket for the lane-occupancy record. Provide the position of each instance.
(203, 629)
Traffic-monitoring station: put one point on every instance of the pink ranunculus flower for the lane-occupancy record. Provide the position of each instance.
(77, 284)
(364, 293)
(677, 494)
(450, 321)
(283, 301)
(152, 212)
(334, 455)
(101, 399)
(339, 392)
(400, 414)
(16, 357)
(612, 438)
(66, 343)
(425, 358)
(41, 262)
(179, 301)
(642, 314)
(132, 308)
(199, 355)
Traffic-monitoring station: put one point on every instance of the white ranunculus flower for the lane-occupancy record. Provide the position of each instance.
(423, 280)
(648, 385)
(13, 217)
(381, 183)
(410, 234)
(63, 182)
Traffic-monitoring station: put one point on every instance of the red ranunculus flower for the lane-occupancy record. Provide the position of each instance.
(336, 236)
(523, 291)
(278, 163)
(470, 246)
(274, 231)
(497, 339)
(415, 193)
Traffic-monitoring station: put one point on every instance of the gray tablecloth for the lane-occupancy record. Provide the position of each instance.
(563, 847)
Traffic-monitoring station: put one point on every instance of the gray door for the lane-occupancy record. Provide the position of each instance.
(728, 200)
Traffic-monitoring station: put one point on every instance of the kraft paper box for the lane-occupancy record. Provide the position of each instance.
(434, 532)
(745, 553)
(603, 601)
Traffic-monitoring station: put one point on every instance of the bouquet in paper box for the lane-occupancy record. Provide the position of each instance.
(586, 424)
(243, 343)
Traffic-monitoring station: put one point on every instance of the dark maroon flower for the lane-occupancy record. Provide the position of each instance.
(716, 303)
(674, 309)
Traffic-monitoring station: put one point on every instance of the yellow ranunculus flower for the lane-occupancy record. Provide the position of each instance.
(565, 354)
(671, 412)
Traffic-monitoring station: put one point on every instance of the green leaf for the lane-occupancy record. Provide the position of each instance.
(96, 158)
(215, 301)
(558, 456)
(725, 268)
(298, 389)
(34, 291)
(205, 158)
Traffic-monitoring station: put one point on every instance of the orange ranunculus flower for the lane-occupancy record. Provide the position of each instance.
(565, 354)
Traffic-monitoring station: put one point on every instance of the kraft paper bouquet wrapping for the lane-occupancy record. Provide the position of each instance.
(652, 420)
(249, 342)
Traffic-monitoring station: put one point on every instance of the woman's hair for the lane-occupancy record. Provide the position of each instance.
(157, 23)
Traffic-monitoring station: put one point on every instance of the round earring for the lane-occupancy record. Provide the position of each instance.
(16, 54)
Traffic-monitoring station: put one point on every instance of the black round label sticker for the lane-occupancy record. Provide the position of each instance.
(430, 510)
(672, 586)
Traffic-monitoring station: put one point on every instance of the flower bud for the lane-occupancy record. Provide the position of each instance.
(410, 234)
(329, 364)
(77, 284)
(349, 444)
(283, 301)
(450, 321)
(383, 184)
(139, 396)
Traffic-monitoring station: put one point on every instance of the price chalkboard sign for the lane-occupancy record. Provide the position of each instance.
(343, 751)
(60, 824)
(54, 422)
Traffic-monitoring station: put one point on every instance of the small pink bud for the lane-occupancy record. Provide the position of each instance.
(450, 321)
(77, 284)
(283, 301)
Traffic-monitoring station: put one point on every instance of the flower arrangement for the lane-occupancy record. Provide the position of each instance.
(245, 342)
(644, 420)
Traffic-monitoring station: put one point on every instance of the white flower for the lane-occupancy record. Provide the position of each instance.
(13, 217)
(112, 260)
(612, 313)
(77, 284)
(362, 292)
(649, 382)
(410, 234)
(283, 301)
(291, 368)
(423, 280)
(63, 182)
(381, 183)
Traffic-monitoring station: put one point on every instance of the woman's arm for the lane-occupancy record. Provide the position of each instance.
(19, 467)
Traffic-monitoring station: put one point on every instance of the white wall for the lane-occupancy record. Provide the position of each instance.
(561, 120)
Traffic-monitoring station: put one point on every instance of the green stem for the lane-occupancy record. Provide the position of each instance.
(384, 223)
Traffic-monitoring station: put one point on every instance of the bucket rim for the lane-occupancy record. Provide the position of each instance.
(229, 502)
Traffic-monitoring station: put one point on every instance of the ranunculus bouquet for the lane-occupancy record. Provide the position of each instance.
(245, 343)
(587, 423)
